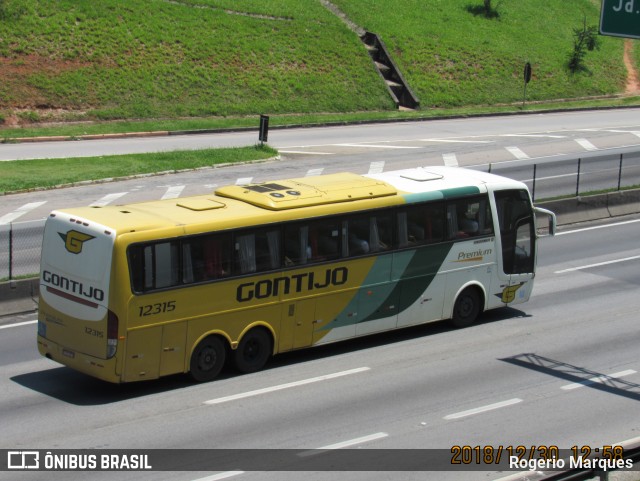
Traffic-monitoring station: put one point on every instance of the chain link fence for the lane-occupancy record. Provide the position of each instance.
(574, 177)
(20, 245)
(20, 242)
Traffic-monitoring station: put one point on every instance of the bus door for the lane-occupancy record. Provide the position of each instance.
(518, 245)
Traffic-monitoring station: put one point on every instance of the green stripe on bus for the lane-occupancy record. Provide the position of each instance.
(441, 194)
(414, 271)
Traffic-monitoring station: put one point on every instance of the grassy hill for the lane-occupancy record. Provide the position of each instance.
(117, 59)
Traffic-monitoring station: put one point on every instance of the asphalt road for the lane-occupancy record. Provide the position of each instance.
(560, 370)
(522, 376)
(509, 145)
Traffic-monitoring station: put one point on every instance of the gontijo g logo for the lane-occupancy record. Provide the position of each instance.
(74, 240)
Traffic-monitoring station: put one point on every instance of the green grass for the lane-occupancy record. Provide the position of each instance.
(155, 58)
(223, 62)
(452, 58)
(20, 175)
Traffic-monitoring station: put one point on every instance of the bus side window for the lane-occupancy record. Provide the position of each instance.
(324, 239)
(154, 266)
(469, 218)
(258, 251)
(296, 244)
(424, 224)
(206, 258)
(368, 233)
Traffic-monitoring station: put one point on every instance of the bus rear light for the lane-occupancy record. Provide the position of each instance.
(112, 334)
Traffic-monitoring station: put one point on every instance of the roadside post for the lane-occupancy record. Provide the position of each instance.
(527, 78)
(264, 129)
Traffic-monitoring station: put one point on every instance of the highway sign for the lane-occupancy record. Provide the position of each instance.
(620, 18)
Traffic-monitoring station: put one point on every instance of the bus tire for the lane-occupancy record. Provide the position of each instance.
(466, 308)
(253, 352)
(207, 359)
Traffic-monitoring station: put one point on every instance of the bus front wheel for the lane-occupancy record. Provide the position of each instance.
(466, 308)
(207, 359)
(253, 351)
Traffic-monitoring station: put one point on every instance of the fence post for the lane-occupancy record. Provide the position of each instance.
(533, 187)
(10, 251)
(620, 172)
(578, 179)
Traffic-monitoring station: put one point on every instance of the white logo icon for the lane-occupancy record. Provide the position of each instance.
(23, 460)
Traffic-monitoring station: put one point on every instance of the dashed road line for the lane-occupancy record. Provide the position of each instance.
(537, 136)
(305, 152)
(458, 141)
(18, 324)
(20, 211)
(586, 145)
(482, 409)
(599, 264)
(602, 379)
(312, 172)
(378, 146)
(217, 477)
(450, 159)
(279, 387)
(244, 180)
(173, 192)
(107, 199)
(376, 167)
(288, 385)
(344, 444)
(517, 153)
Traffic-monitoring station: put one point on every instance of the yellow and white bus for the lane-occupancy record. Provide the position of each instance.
(139, 291)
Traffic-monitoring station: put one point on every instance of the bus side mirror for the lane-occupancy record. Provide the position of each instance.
(549, 230)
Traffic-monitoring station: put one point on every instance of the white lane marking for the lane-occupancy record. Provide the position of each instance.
(378, 146)
(305, 153)
(18, 324)
(482, 409)
(376, 167)
(598, 227)
(216, 477)
(312, 172)
(586, 145)
(107, 199)
(344, 444)
(288, 385)
(524, 476)
(456, 141)
(517, 153)
(450, 160)
(542, 136)
(599, 264)
(244, 180)
(173, 192)
(20, 211)
(598, 379)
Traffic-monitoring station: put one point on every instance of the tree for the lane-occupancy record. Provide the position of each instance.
(486, 9)
(584, 39)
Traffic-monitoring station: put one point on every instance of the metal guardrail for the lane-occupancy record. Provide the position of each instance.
(20, 242)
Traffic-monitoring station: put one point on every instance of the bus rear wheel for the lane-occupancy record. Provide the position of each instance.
(466, 308)
(207, 359)
(253, 352)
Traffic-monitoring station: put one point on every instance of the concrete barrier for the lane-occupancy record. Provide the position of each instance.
(594, 207)
(21, 296)
(18, 297)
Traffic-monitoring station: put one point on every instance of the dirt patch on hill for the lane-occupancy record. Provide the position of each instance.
(633, 84)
